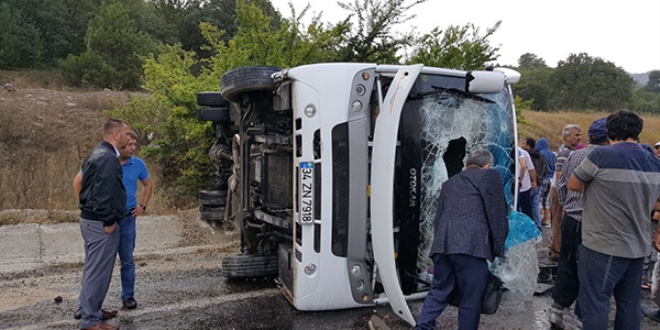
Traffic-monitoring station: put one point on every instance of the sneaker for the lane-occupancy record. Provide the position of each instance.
(544, 276)
(129, 303)
(78, 313)
(556, 316)
(651, 312)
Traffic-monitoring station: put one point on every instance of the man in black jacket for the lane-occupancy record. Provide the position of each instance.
(102, 204)
(470, 228)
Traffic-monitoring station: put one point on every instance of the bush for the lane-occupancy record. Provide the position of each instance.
(86, 70)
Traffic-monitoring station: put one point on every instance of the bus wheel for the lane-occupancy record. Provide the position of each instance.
(249, 265)
(236, 82)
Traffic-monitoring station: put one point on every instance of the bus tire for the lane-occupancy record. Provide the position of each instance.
(215, 115)
(211, 99)
(211, 213)
(236, 82)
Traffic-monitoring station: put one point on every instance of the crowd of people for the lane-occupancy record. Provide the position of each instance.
(600, 200)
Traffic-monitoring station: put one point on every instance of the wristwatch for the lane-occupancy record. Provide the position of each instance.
(144, 208)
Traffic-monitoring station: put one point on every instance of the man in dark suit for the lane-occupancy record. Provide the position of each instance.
(470, 228)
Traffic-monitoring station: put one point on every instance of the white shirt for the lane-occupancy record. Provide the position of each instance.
(526, 179)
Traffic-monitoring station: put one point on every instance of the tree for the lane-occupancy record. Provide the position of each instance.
(653, 85)
(534, 87)
(586, 83)
(9, 41)
(531, 61)
(368, 33)
(114, 47)
(456, 48)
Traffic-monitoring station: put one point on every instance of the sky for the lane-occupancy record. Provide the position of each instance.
(626, 33)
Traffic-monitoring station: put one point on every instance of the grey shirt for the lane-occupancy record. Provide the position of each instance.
(622, 183)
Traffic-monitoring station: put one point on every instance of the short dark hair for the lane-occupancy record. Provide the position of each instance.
(480, 157)
(623, 125)
(132, 135)
(530, 142)
(112, 125)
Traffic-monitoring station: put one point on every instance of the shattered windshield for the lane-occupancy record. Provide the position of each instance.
(453, 123)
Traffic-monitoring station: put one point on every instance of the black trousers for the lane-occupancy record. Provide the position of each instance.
(567, 285)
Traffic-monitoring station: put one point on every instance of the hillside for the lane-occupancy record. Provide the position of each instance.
(47, 129)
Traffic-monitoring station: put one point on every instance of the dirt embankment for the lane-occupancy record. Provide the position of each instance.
(46, 131)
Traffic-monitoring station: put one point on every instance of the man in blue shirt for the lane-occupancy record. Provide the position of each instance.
(133, 169)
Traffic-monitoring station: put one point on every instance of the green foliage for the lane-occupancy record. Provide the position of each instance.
(114, 47)
(9, 40)
(653, 85)
(531, 61)
(521, 105)
(456, 48)
(367, 32)
(88, 69)
(534, 86)
(586, 83)
(645, 101)
(180, 142)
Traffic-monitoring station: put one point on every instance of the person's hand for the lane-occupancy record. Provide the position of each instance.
(656, 241)
(137, 211)
(109, 229)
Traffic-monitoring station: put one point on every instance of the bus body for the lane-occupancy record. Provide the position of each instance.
(337, 168)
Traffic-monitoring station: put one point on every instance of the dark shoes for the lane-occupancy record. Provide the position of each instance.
(107, 314)
(129, 303)
(102, 326)
(651, 312)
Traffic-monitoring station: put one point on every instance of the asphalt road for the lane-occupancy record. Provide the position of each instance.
(179, 286)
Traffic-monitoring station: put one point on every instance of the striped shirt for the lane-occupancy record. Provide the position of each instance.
(622, 184)
(571, 201)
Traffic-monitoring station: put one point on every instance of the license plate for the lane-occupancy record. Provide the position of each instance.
(307, 192)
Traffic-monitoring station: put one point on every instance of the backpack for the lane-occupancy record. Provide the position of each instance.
(540, 165)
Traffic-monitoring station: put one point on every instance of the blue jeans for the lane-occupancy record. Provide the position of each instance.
(525, 203)
(126, 247)
(567, 284)
(545, 193)
(602, 275)
(470, 274)
(534, 195)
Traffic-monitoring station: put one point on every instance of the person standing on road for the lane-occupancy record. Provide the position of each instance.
(527, 179)
(543, 147)
(621, 185)
(134, 170)
(567, 285)
(102, 203)
(540, 166)
(470, 228)
(651, 312)
(572, 135)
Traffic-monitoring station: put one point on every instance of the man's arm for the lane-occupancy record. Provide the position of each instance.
(77, 186)
(575, 184)
(532, 177)
(146, 196)
(523, 169)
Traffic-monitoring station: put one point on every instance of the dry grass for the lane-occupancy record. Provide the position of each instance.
(550, 124)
